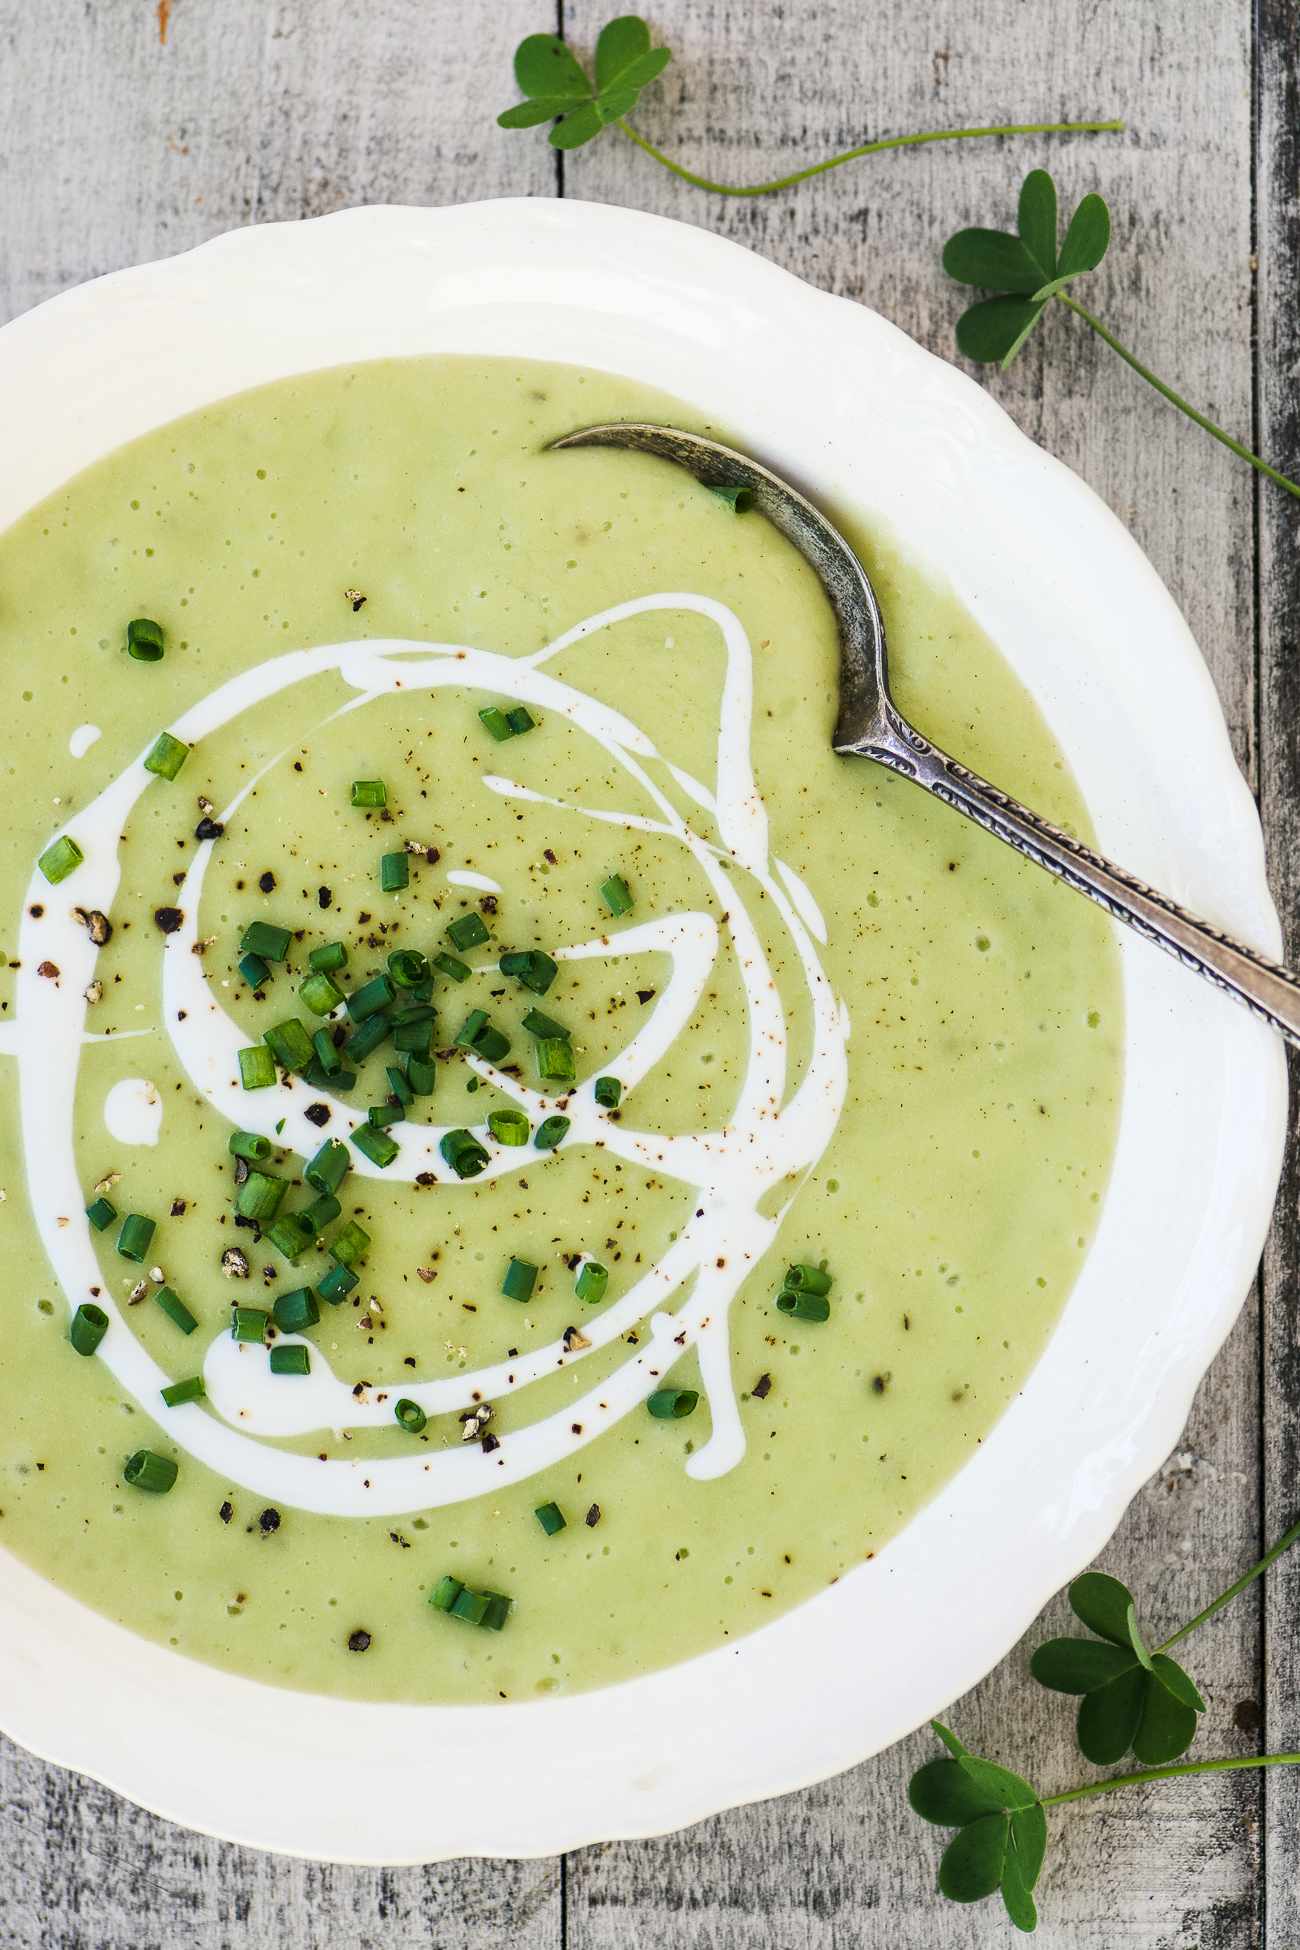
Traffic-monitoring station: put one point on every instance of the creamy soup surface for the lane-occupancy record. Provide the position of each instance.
(851, 1032)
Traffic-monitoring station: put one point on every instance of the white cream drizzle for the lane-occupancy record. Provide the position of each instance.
(479, 881)
(133, 1111)
(766, 1140)
(83, 738)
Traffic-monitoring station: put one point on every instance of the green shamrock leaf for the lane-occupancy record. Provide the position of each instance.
(1025, 270)
(559, 89)
(1002, 1830)
(1131, 1697)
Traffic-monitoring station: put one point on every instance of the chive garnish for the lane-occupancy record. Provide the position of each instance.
(591, 1282)
(538, 1024)
(256, 1068)
(803, 1306)
(380, 1116)
(478, 1034)
(520, 720)
(290, 1044)
(411, 1416)
(175, 1310)
(469, 1605)
(291, 1235)
(549, 1517)
(520, 1279)
(290, 1360)
(89, 1326)
(292, 1312)
(496, 722)
(181, 1392)
(468, 932)
(167, 756)
(260, 938)
(249, 1145)
(414, 1038)
(144, 640)
(322, 1212)
(101, 1214)
(367, 1037)
(408, 967)
(336, 1285)
(248, 1324)
(463, 1153)
(551, 1132)
(133, 1240)
(555, 1060)
(327, 1170)
(400, 1088)
(403, 1014)
(531, 967)
(671, 1404)
(508, 1126)
(617, 893)
(446, 1593)
(459, 971)
(340, 1081)
(498, 1610)
(329, 959)
(394, 873)
(421, 1074)
(260, 1196)
(371, 998)
(255, 971)
(469, 1029)
(146, 1471)
(328, 1059)
(64, 856)
(806, 1279)
(375, 1142)
(350, 1244)
(369, 792)
(608, 1092)
(319, 994)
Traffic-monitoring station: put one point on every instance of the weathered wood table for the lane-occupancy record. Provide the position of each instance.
(119, 145)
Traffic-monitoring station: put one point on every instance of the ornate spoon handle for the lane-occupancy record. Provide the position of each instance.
(1268, 990)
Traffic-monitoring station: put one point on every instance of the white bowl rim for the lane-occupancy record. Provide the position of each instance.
(848, 406)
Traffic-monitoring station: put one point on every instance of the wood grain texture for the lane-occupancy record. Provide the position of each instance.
(256, 111)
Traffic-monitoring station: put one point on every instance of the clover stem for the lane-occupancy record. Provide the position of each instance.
(867, 149)
(1184, 407)
(1168, 1774)
(1283, 1543)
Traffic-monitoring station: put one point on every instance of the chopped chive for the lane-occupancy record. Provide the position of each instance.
(498, 1610)
(555, 1060)
(290, 1360)
(408, 967)
(101, 1214)
(618, 894)
(290, 1044)
(608, 1092)
(369, 792)
(260, 1196)
(322, 1212)
(350, 1244)
(548, 1516)
(468, 932)
(279, 1127)
(249, 1324)
(803, 1306)
(133, 1240)
(291, 1235)
(400, 1088)
(329, 959)
(531, 967)
(807, 1279)
(327, 1056)
(295, 1311)
(176, 1310)
(469, 1029)
(320, 994)
(371, 998)
(181, 1392)
(327, 1170)
(497, 723)
(671, 1404)
(520, 1279)
(260, 938)
(551, 1132)
(336, 1285)
(520, 720)
(403, 1014)
(89, 1326)
(376, 1144)
(340, 1081)
(144, 640)
(591, 1282)
(380, 1116)
(394, 873)
(249, 1145)
(256, 1068)
(415, 1038)
(538, 1024)
(508, 1126)
(167, 756)
(63, 857)
(367, 1037)
(446, 1593)
(255, 971)
(421, 1075)
(146, 1471)
(459, 971)
(411, 1416)
(470, 1605)
(491, 1045)
(463, 1153)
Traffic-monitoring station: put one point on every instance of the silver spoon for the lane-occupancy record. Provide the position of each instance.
(870, 726)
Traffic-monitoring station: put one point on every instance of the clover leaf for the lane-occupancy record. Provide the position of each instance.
(1026, 270)
(1002, 1830)
(559, 89)
(1131, 1697)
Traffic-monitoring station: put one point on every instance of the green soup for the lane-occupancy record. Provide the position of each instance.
(794, 1013)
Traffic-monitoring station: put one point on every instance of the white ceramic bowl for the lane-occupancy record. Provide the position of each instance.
(854, 412)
